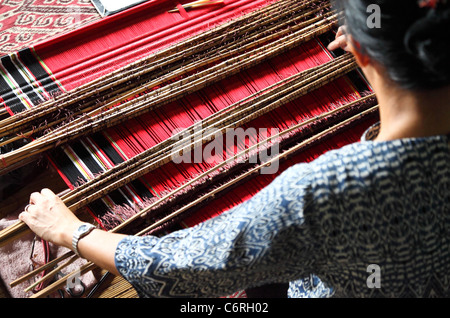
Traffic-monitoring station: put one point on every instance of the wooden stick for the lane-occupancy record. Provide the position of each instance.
(247, 174)
(117, 78)
(57, 284)
(20, 229)
(115, 116)
(90, 266)
(51, 274)
(240, 48)
(133, 171)
(197, 4)
(27, 117)
(41, 269)
(260, 144)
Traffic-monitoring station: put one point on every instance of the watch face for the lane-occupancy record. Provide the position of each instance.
(83, 227)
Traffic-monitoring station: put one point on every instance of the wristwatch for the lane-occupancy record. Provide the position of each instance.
(81, 232)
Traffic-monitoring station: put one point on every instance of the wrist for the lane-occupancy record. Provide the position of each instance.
(82, 231)
(67, 235)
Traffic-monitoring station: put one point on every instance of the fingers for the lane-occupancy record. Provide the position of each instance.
(23, 217)
(38, 197)
(338, 43)
(26, 214)
(341, 40)
(47, 192)
(35, 198)
(341, 31)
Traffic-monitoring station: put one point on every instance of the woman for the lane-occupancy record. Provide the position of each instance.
(372, 218)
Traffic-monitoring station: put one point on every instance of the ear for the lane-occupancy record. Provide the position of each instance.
(355, 48)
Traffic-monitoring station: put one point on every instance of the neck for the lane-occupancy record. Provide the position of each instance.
(412, 114)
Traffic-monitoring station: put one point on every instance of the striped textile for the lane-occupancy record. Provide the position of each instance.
(25, 81)
(82, 160)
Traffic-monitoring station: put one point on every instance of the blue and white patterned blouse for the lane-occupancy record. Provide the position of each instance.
(369, 219)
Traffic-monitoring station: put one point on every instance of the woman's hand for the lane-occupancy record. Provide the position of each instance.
(50, 219)
(341, 41)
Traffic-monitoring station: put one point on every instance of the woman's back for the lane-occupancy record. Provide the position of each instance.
(379, 213)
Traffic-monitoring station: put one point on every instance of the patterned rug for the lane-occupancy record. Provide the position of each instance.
(26, 22)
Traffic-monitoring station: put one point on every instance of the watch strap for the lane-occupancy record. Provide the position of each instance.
(81, 232)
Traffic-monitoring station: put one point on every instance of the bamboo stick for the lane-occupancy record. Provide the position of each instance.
(302, 4)
(192, 83)
(40, 269)
(90, 266)
(133, 171)
(51, 274)
(79, 94)
(252, 171)
(260, 144)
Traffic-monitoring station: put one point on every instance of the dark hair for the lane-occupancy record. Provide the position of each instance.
(412, 42)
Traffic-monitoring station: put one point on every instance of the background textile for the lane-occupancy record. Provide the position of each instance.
(24, 23)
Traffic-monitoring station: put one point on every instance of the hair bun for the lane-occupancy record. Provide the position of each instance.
(428, 41)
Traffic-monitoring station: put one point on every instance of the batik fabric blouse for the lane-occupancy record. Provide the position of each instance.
(369, 219)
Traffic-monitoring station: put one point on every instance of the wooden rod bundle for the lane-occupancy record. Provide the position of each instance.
(200, 177)
(242, 154)
(249, 173)
(234, 117)
(186, 50)
(94, 121)
(90, 266)
(231, 117)
(10, 233)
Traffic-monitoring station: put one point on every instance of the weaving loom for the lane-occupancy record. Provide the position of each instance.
(114, 105)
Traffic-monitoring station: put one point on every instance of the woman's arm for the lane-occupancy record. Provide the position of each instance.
(50, 219)
(264, 239)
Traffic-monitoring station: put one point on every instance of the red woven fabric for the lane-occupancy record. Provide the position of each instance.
(121, 39)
